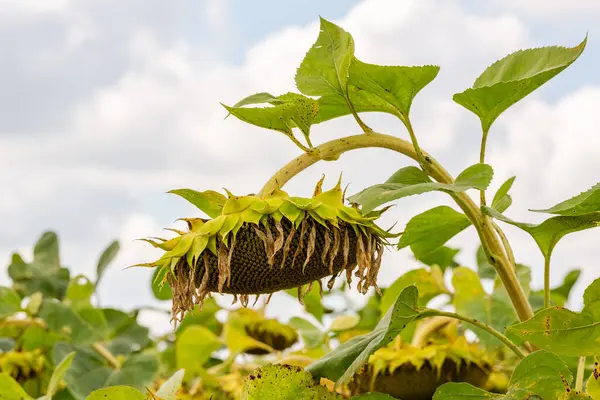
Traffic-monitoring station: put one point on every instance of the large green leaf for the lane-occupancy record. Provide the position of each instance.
(194, 347)
(11, 390)
(44, 273)
(395, 85)
(284, 382)
(540, 375)
(343, 362)
(411, 181)
(563, 331)
(431, 229)
(548, 233)
(89, 372)
(10, 302)
(513, 77)
(209, 202)
(292, 110)
(584, 203)
(107, 256)
(324, 69)
(429, 281)
(116, 393)
(64, 321)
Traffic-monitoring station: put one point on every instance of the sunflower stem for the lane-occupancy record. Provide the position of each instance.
(491, 244)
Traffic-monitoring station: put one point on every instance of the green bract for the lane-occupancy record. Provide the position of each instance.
(263, 244)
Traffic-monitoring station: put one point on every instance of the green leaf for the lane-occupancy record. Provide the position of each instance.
(311, 335)
(563, 331)
(209, 201)
(584, 203)
(443, 257)
(512, 78)
(79, 292)
(540, 375)
(10, 302)
(431, 229)
(64, 321)
(194, 347)
(344, 322)
(58, 374)
(502, 200)
(116, 393)
(293, 110)
(11, 390)
(46, 251)
(169, 389)
(161, 293)
(107, 256)
(257, 98)
(411, 181)
(343, 362)
(430, 283)
(395, 85)
(548, 233)
(324, 69)
(284, 382)
(90, 372)
(593, 384)
(34, 303)
(333, 105)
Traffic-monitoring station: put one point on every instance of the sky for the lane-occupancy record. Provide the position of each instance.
(105, 107)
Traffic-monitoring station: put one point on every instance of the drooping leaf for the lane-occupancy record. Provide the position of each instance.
(443, 257)
(58, 374)
(513, 77)
(563, 331)
(11, 390)
(395, 85)
(324, 69)
(411, 181)
(10, 302)
(194, 347)
(431, 229)
(209, 202)
(284, 382)
(548, 233)
(584, 203)
(107, 256)
(292, 110)
(311, 335)
(344, 361)
(169, 389)
(502, 200)
(430, 283)
(540, 375)
(116, 393)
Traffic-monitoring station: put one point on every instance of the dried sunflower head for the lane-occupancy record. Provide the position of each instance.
(260, 245)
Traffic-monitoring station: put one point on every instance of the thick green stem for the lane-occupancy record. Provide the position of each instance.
(332, 150)
(580, 374)
(479, 324)
(547, 281)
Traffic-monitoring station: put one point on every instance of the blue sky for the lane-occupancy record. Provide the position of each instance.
(105, 108)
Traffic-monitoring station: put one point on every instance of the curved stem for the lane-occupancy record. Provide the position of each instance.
(479, 324)
(507, 247)
(107, 355)
(332, 150)
(547, 281)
